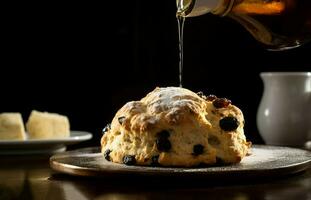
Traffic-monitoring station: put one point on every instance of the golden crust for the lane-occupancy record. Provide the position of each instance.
(189, 119)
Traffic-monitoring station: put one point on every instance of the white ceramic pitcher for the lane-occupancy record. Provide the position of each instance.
(284, 114)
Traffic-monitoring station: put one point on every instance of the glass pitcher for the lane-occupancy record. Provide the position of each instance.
(278, 24)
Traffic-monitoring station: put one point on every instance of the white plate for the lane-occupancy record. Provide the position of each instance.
(42, 146)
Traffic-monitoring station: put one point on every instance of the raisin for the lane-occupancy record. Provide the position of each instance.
(107, 154)
(107, 128)
(229, 123)
(121, 120)
(163, 134)
(221, 103)
(163, 144)
(198, 149)
(219, 161)
(211, 97)
(155, 160)
(129, 160)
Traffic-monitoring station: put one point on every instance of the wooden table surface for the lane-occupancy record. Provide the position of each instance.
(30, 177)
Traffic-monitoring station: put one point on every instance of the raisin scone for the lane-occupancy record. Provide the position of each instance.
(176, 127)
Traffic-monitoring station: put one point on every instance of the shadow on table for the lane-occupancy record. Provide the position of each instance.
(293, 187)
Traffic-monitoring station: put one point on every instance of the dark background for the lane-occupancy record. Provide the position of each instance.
(85, 60)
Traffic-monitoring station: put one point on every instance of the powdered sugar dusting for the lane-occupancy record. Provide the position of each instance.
(259, 155)
(162, 99)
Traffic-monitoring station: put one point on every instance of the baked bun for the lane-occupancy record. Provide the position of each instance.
(176, 127)
(12, 127)
(45, 125)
